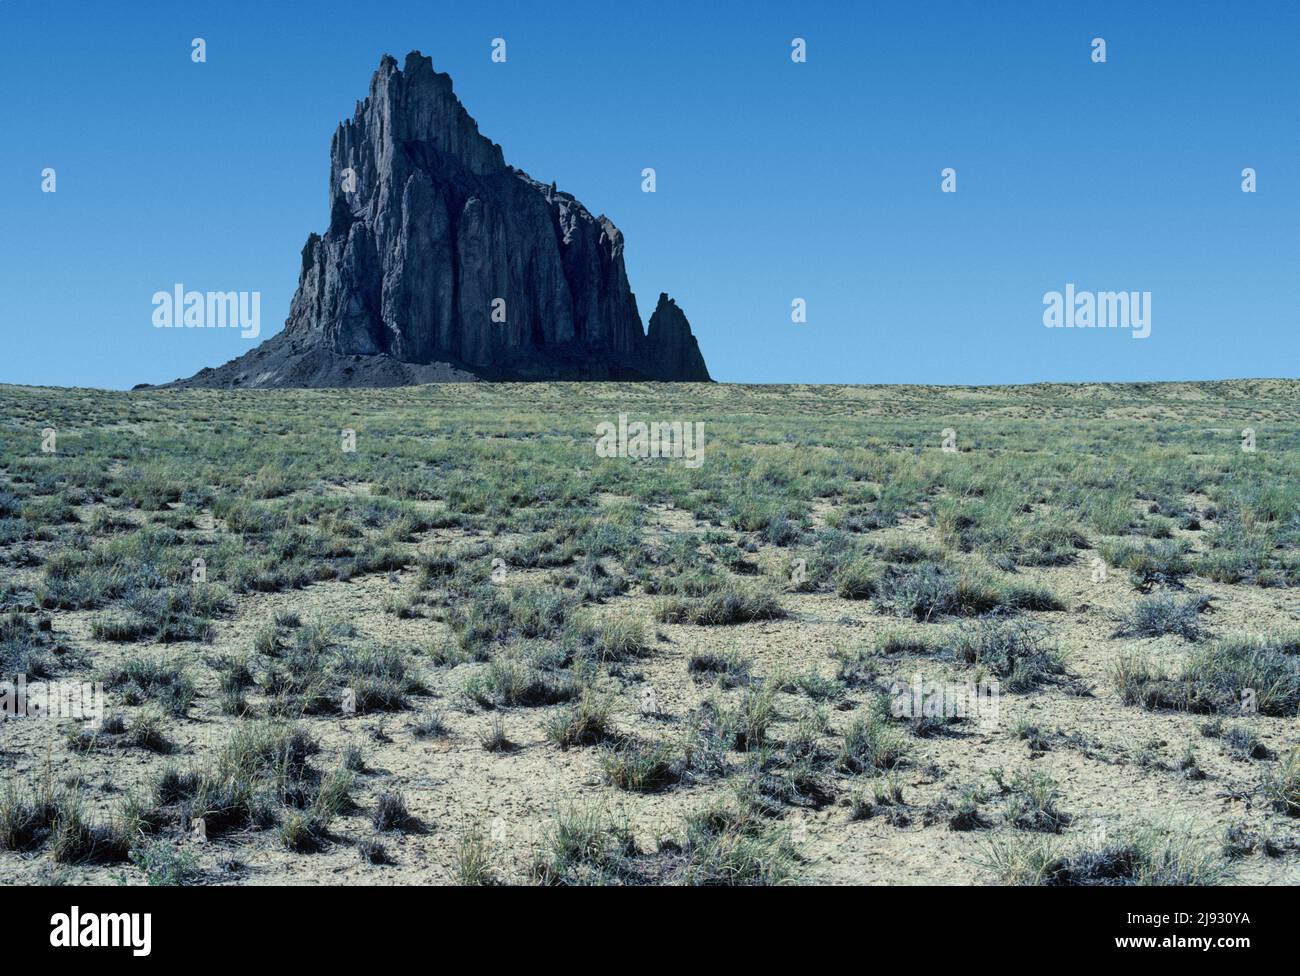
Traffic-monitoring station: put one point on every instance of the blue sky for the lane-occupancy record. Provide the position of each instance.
(776, 180)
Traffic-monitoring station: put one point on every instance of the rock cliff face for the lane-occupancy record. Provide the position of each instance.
(442, 261)
(670, 346)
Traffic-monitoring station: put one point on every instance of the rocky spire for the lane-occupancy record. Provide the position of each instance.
(437, 252)
(671, 348)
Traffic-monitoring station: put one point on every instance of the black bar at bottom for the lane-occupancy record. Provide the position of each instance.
(340, 926)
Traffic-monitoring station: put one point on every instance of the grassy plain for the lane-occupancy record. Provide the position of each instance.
(471, 650)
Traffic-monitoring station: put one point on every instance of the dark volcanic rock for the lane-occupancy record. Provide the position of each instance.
(670, 346)
(440, 261)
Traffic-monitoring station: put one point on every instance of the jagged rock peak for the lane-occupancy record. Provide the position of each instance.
(672, 347)
(439, 254)
(416, 104)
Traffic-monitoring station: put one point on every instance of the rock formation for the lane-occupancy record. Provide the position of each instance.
(441, 262)
(671, 348)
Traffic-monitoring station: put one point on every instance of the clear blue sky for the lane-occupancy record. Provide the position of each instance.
(775, 180)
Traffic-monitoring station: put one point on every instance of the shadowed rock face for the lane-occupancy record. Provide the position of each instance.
(438, 253)
(670, 346)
